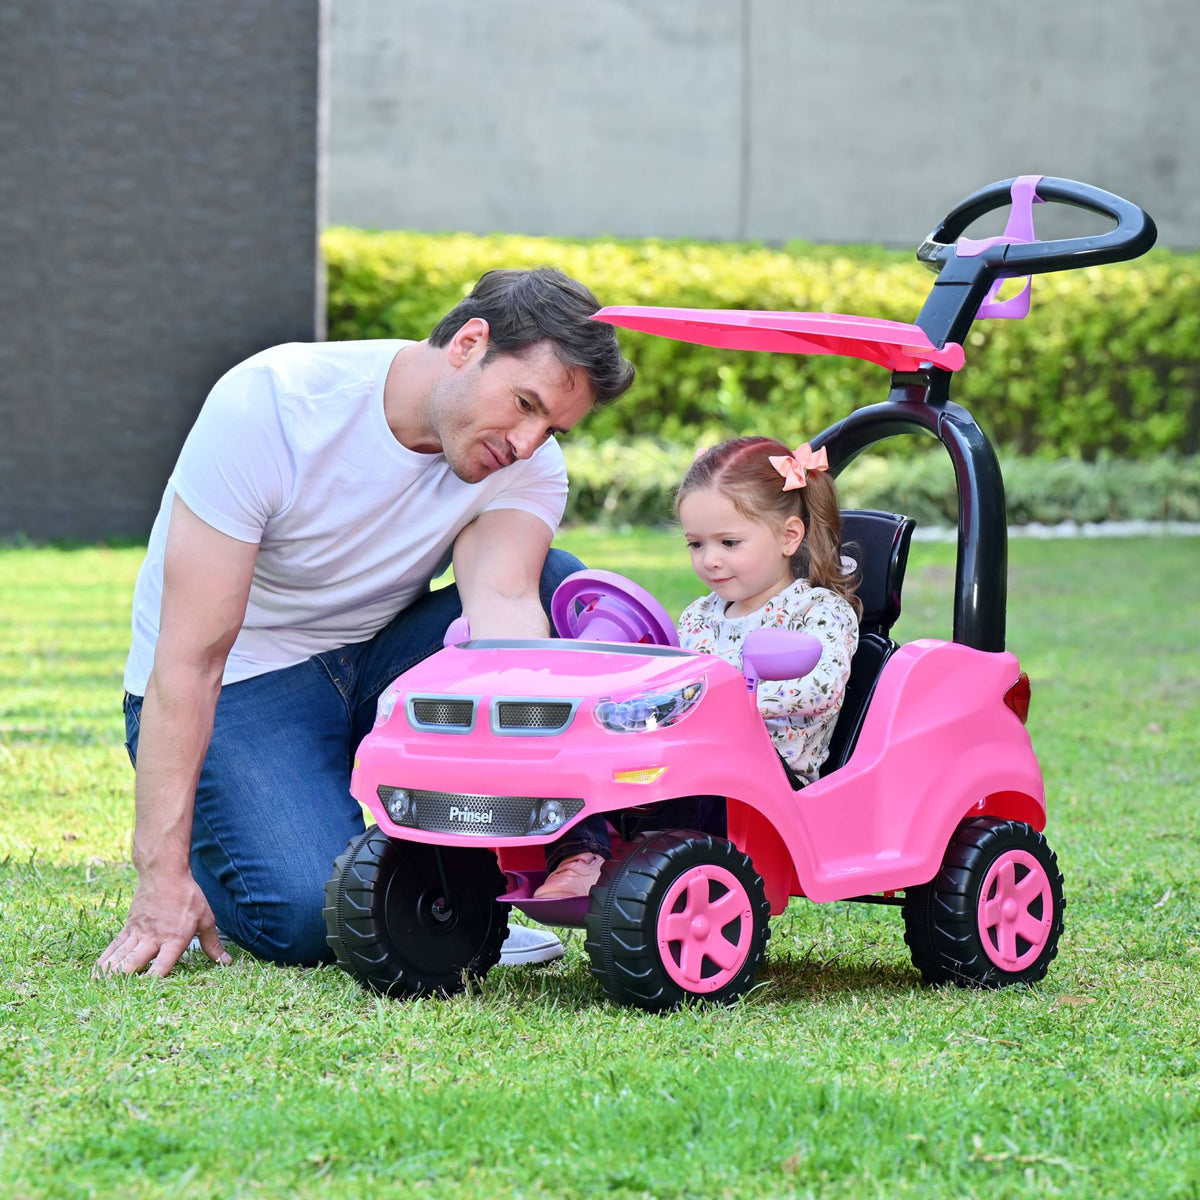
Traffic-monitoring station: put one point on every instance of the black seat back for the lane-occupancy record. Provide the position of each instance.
(878, 542)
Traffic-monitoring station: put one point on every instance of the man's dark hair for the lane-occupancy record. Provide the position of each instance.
(523, 308)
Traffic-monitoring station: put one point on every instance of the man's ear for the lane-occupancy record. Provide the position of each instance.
(793, 535)
(469, 344)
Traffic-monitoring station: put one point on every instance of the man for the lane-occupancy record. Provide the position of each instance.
(286, 584)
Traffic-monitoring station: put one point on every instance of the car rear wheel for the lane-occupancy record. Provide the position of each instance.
(406, 926)
(682, 916)
(993, 914)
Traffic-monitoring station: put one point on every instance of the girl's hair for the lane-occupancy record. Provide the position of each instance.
(741, 470)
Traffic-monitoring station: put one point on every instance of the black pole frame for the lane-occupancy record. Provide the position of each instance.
(920, 403)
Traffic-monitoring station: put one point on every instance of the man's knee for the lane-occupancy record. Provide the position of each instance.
(273, 909)
(289, 929)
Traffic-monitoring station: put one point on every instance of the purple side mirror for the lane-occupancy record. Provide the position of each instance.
(778, 654)
(459, 631)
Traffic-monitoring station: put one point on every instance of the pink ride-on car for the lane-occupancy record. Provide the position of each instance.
(931, 799)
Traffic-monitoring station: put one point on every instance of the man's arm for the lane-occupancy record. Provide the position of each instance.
(206, 584)
(498, 562)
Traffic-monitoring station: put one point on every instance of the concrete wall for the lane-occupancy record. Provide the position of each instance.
(160, 165)
(158, 219)
(829, 120)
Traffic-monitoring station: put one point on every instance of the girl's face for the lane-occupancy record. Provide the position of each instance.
(744, 561)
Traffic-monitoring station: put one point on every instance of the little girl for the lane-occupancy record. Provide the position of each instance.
(764, 532)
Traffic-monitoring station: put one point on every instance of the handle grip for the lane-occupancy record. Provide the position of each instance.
(1134, 234)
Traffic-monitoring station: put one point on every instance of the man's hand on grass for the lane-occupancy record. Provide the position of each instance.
(163, 919)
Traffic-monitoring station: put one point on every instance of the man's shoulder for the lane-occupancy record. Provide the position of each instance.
(546, 466)
(548, 457)
(348, 351)
(303, 366)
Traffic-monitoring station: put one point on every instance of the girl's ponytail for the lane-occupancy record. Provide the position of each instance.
(819, 558)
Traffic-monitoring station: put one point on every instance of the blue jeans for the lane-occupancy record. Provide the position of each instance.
(273, 805)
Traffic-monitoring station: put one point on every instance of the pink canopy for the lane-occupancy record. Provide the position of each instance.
(891, 344)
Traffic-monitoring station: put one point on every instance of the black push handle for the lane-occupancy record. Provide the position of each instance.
(1134, 235)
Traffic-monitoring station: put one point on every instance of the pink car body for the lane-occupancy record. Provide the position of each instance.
(487, 752)
(938, 745)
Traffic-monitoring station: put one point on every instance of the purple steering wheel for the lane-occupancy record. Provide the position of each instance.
(601, 606)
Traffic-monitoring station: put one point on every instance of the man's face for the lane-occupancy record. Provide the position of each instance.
(486, 416)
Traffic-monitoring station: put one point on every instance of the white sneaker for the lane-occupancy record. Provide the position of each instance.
(574, 876)
(524, 946)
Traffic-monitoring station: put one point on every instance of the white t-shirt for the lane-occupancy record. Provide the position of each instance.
(292, 451)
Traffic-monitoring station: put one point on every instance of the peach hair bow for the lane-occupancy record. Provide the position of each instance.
(795, 467)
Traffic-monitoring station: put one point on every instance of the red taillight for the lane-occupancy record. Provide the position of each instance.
(1017, 697)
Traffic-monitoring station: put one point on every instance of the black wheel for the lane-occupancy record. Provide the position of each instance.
(682, 915)
(393, 927)
(993, 914)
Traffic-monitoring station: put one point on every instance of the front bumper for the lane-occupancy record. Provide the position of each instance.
(475, 815)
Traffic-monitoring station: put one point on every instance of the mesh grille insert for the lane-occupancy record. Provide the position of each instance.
(455, 714)
(533, 714)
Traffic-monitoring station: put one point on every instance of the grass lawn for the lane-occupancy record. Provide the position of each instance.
(841, 1075)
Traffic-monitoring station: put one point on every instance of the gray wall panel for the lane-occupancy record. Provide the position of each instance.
(536, 115)
(861, 120)
(160, 166)
(903, 124)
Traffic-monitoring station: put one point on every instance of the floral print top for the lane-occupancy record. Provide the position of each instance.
(800, 713)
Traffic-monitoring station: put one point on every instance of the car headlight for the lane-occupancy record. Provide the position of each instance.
(387, 703)
(650, 710)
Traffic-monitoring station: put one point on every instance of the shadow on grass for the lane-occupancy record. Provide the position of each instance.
(782, 983)
(789, 980)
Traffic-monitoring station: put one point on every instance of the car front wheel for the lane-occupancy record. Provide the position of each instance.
(682, 916)
(406, 925)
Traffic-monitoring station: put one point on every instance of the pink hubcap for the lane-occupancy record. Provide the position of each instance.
(705, 924)
(1016, 910)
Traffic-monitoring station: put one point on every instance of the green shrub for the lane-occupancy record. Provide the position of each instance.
(633, 483)
(1108, 362)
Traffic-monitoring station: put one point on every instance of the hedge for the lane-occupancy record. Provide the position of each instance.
(633, 483)
(1107, 363)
